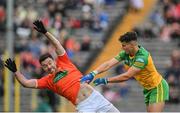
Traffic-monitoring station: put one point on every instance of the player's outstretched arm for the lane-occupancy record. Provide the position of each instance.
(11, 65)
(102, 68)
(38, 25)
(107, 65)
(119, 78)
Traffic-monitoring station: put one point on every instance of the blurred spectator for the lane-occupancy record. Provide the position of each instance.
(104, 20)
(164, 22)
(96, 26)
(72, 4)
(119, 69)
(172, 76)
(174, 94)
(51, 8)
(175, 34)
(35, 46)
(20, 14)
(136, 5)
(2, 18)
(74, 22)
(58, 24)
(171, 12)
(110, 94)
(86, 43)
(23, 30)
(110, 2)
(157, 18)
(165, 33)
(3, 2)
(27, 58)
(43, 105)
(61, 7)
(71, 46)
(87, 15)
(46, 19)
(123, 87)
(53, 100)
(32, 13)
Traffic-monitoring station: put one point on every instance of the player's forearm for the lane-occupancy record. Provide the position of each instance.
(25, 82)
(52, 39)
(102, 68)
(59, 49)
(120, 78)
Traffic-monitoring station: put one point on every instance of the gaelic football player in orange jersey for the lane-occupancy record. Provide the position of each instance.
(63, 78)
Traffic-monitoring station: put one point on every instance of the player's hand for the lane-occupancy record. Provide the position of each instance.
(88, 78)
(11, 65)
(100, 81)
(38, 25)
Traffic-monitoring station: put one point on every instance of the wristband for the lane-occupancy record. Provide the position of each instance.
(95, 72)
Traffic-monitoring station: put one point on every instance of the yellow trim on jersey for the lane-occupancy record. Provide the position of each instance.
(139, 64)
(162, 91)
(157, 95)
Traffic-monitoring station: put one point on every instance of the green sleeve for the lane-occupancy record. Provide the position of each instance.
(120, 56)
(140, 62)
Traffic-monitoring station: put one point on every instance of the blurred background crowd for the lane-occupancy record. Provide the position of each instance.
(84, 27)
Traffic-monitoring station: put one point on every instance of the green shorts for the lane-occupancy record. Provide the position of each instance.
(157, 94)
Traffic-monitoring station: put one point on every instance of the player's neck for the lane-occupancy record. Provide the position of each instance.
(133, 53)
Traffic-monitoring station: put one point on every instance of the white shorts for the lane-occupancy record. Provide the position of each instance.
(96, 103)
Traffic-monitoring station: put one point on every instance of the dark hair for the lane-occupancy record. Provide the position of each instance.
(127, 37)
(45, 56)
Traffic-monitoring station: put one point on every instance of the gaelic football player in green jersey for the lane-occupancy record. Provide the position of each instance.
(139, 65)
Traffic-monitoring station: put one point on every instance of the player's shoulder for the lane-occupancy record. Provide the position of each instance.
(142, 52)
(142, 55)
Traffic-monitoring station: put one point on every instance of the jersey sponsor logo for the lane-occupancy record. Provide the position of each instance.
(59, 76)
(139, 64)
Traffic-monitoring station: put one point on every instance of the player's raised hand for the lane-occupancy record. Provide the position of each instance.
(88, 78)
(100, 81)
(11, 65)
(38, 25)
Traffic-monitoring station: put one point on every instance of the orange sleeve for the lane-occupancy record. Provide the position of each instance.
(42, 83)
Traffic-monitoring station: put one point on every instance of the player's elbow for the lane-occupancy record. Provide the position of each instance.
(127, 77)
(26, 85)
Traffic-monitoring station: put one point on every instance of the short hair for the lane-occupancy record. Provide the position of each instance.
(44, 57)
(128, 37)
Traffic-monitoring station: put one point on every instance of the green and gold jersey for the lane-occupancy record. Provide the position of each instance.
(148, 77)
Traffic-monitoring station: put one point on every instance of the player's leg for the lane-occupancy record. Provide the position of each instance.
(155, 107)
(103, 105)
(112, 109)
(158, 96)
